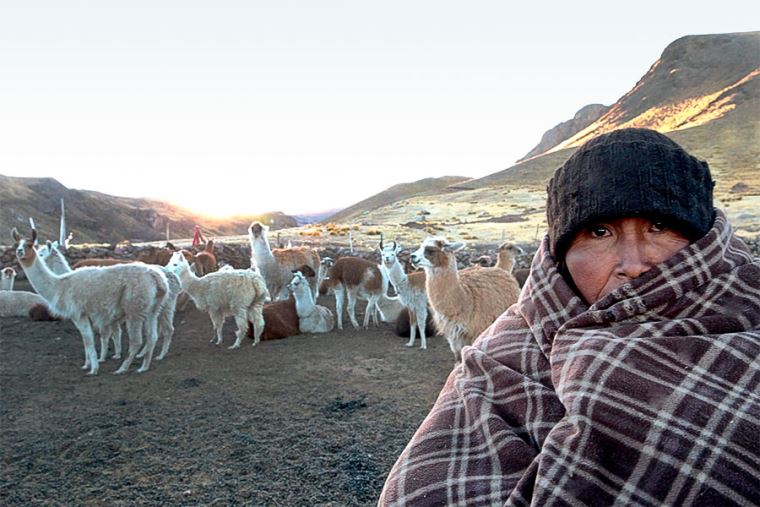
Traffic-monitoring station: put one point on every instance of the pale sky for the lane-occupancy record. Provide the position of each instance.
(251, 106)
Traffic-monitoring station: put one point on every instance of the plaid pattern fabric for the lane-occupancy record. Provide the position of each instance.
(651, 396)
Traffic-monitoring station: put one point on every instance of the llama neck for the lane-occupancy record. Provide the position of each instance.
(262, 252)
(444, 290)
(46, 283)
(190, 282)
(397, 276)
(505, 262)
(304, 302)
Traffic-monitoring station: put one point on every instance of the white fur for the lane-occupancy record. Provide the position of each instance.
(312, 318)
(17, 303)
(99, 298)
(238, 293)
(277, 266)
(414, 298)
(8, 277)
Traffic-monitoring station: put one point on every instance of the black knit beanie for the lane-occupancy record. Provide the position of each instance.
(629, 173)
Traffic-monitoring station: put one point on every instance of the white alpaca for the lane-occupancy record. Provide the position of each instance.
(165, 315)
(464, 302)
(98, 298)
(51, 255)
(8, 277)
(240, 293)
(18, 303)
(410, 289)
(276, 266)
(312, 318)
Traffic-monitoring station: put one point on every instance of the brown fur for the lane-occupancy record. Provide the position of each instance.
(417, 279)
(465, 302)
(205, 260)
(155, 255)
(403, 328)
(521, 275)
(280, 317)
(352, 272)
(280, 320)
(505, 256)
(41, 313)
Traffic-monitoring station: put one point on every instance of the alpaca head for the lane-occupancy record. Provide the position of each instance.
(25, 251)
(7, 278)
(389, 254)
(178, 262)
(298, 283)
(510, 249)
(436, 252)
(258, 230)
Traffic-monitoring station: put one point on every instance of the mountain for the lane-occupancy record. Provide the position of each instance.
(396, 193)
(100, 218)
(552, 137)
(703, 92)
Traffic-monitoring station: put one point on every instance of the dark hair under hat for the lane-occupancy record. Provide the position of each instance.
(626, 173)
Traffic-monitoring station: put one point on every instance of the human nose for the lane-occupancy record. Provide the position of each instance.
(632, 260)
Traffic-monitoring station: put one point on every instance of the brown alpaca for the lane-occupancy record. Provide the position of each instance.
(205, 260)
(356, 278)
(464, 302)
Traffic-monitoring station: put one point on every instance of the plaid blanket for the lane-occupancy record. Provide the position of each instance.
(651, 396)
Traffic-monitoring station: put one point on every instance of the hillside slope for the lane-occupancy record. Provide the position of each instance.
(397, 193)
(100, 218)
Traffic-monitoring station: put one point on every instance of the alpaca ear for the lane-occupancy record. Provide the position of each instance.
(34, 236)
(15, 235)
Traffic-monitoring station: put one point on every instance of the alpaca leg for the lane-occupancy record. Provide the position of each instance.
(371, 308)
(218, 321)
(241, 319)
(421, 322)
(339, 306)
(412, 327)
(352, 309)
(456, 343)
(151, 337)
(135, 333)
(105, 339)
(116, 337)
(256, 317)
(86, 364)
(88, 339)
(166, 329)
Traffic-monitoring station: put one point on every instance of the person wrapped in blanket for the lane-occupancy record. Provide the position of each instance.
(628, 372)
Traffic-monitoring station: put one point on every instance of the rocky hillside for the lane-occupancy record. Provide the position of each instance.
(703, 92)
(100, 218)
(698, 79)
(397, 193)
(554, 136)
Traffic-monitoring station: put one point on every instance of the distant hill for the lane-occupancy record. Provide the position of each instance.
(100, 218)
(397, 193)
(703, 92)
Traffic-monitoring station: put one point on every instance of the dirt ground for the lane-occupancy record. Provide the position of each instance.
(308, 420)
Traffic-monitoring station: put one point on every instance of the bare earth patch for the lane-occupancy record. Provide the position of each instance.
(308, 420)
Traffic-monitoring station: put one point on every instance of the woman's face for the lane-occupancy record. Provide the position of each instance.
(606, 255)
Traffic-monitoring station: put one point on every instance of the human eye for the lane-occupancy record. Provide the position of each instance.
(659, 226)
(598, 231)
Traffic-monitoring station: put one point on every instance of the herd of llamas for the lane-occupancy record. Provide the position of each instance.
(275, 298)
